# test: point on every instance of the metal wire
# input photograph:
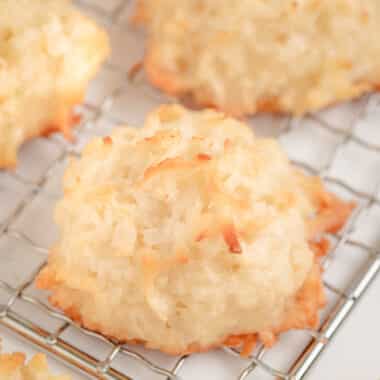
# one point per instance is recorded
(55, 343)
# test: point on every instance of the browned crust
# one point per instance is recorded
(231, 238)
(330, 215)
(303, 314)
(66, 127)
(271, 105)
(139, 16)
(171, 84)
(163, 79)
(65, 120)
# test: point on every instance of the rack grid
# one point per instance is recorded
(338, 144)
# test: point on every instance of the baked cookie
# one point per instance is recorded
(48, 53)
(288, 56)
(190, 233)
(13, 367)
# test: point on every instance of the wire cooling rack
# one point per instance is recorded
(338, 144)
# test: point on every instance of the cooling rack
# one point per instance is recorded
(342, 145)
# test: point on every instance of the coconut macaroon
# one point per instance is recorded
(13, 367)
(48, 53)
(288, 56)
(190, 233)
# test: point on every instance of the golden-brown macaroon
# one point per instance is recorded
(286, 56)
(48, 53)
(190, 233)
(13, 367)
